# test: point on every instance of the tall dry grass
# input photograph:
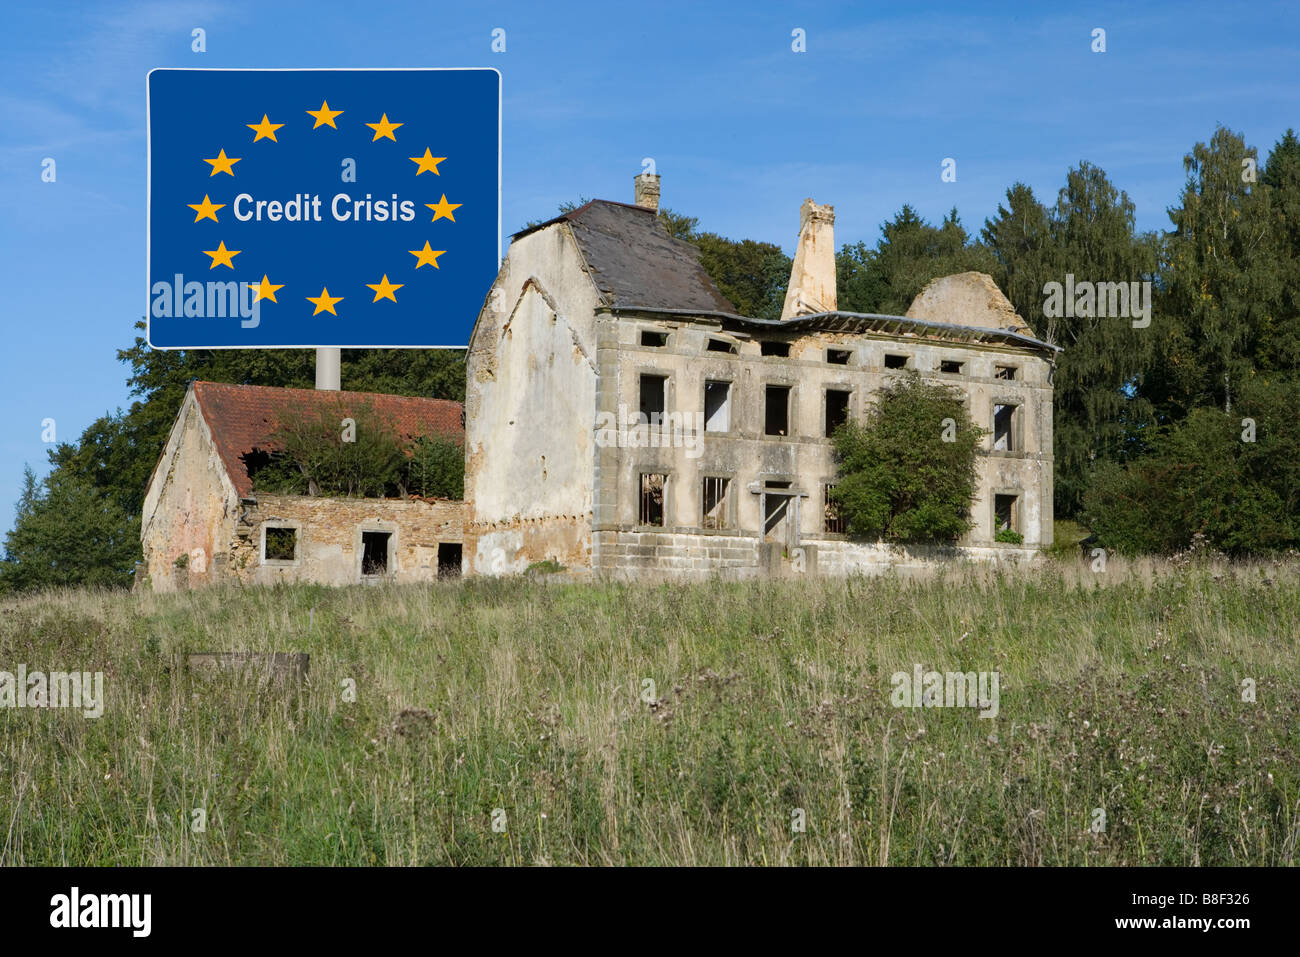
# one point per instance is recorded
(1120, 692)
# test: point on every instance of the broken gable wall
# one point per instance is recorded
(190, 508)
(530, 410)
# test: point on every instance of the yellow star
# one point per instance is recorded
(266, 289)
(426, 256)
(443, 208)
(385, 289)
(264, 129)
(222, 256)
(324, 302)
(384, 128)
(324, 116)
(222, 163)
(428, 162)
(206, 209)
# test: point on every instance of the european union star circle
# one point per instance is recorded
(351, 208)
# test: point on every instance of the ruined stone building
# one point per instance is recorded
(203, 522)
(622, 419)
(599, 318)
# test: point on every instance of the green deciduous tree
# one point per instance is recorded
(751, 274)
(436, 468)
(311, 457)
(68, 533)
(1232, 478)
(908, 473)
(371, 465)
(1089, 233)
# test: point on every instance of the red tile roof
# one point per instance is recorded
(245, 417)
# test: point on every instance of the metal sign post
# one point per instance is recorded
(329, 369)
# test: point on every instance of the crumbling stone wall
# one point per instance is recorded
(967, 299)
(812, 274)
(329, 537)
(805, 457)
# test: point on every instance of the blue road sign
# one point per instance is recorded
(321, 208)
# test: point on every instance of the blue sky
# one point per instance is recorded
(741, 127)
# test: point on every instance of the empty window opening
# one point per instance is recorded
(1004, 372)
(1004, 513)
(832, 520)
(951, 366)
(1003, 428)
(714, 499)
(374, 552)
(895, 361)
(776, 508)
(717, 406)
(775, 348)
(654, 397)
(656, 339)
(837, 409)
(777, 412)
(722, 345)
(652, 499)
(281, 544)
(838, 357)
(449, 559)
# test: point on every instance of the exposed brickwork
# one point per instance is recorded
(329, 537)
(623, 554)
(628, 554)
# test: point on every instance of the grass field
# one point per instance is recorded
(770, 706)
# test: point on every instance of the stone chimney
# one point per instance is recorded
(812, 277)
(647, 191)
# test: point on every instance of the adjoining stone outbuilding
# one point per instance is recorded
(600, 321)
(203, 522)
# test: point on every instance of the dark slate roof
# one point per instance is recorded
(245, 417)
(634, 262)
